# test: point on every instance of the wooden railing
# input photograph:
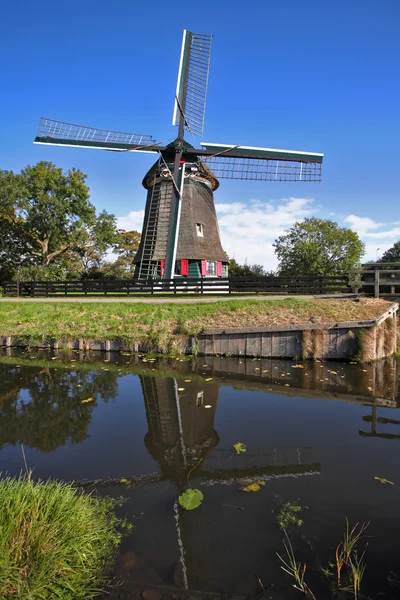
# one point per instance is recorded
(210, 285)
(379, 279)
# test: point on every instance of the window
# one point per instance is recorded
(177, 267)
(211, 268)
(200, 229)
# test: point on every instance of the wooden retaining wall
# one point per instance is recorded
(365, 340)
(368, 340)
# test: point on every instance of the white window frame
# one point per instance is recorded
(214, 269)
(200, 229)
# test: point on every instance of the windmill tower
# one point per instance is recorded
(180, 235)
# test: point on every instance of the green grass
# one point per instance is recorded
(160, 324)
(55, 542)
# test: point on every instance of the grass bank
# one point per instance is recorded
(160, 324)
(55, 541)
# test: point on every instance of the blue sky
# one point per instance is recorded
(310, 75)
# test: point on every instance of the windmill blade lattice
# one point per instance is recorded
(191, 90)
(58, 132)
(263, 164)
(225, 167)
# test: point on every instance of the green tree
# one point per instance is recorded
(393, 254)
(86, 257)
(48, 225)
(54, 207)
(318, 247)
(13, 246)
(126, 246)
(237, 270)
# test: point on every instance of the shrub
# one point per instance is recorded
(55, 541)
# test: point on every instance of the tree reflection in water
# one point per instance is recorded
(42, 407)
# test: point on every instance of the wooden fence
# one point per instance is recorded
(379, 279)
(210, 285)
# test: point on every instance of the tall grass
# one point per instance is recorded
(55, 542)
(295, 569)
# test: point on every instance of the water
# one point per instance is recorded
(316, 433)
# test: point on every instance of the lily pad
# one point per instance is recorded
(191, 499)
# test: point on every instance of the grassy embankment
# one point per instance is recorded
(163, 326)
(55, 542)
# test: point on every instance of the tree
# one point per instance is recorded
(237, 270)
(318, 247)
(393, 254)
(48, 226)
(13, 244)
(86, 257)
(126, 247)
(55, 208)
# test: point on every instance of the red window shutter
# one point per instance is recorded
(162, 267)
(219, 268)
(184, 267)
(203, 268)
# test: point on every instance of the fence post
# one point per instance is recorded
(376, 285)
(393, 287)
(17, 289)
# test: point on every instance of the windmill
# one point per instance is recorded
(180, 235)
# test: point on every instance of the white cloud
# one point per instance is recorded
(361, 224)
(249, 230)
(133, 220)
(376, 242)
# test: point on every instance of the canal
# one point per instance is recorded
(316, 436)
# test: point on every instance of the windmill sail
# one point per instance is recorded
(263, 164)
(191, 89)
(53, 132)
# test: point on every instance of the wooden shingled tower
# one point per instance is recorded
(180, 235)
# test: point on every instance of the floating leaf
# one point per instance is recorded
(123, 480)
(383, 480)
(181, 389)
(191, 499)
(208, 406)
(208, 379)
(254, 487)
(297, 366)
(87, 400)
(187, 380)
(239, 447)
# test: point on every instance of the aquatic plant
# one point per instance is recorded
(191, 499)
(55, 541)
(240, 447)
(295, 569)
(346, 551)
(289, 515)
